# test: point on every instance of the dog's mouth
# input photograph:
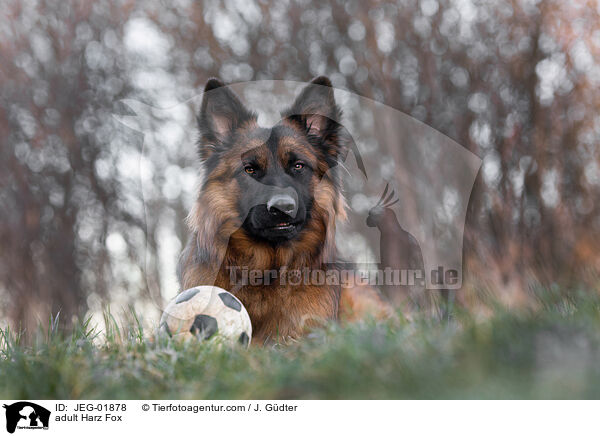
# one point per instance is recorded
(283, 226)
(278, 232)
(285, 229)
(274, 228)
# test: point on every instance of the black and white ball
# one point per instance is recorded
(205, 312)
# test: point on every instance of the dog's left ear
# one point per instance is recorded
(316, 112)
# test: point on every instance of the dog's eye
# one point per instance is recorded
(298, 166)
(250, 169)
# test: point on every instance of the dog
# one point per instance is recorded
(269, 201)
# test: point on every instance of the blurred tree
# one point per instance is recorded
(58, 199)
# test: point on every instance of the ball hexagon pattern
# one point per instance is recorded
(205, 312)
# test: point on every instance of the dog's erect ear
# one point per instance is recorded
(316, 112)
(220, 114)
(315, 107)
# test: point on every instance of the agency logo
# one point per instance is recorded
(26, 415)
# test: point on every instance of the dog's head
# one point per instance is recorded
(271, 182)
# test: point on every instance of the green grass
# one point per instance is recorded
(552, 352)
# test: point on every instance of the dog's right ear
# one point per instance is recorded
(220, 114)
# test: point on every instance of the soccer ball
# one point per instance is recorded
(205, 312)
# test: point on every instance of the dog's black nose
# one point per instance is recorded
(283, 203)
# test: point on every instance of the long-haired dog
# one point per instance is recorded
(269, 201)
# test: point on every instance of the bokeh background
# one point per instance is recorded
(515, 82)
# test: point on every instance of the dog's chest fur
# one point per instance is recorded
(279, 312)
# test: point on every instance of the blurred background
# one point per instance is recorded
(515, 82)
